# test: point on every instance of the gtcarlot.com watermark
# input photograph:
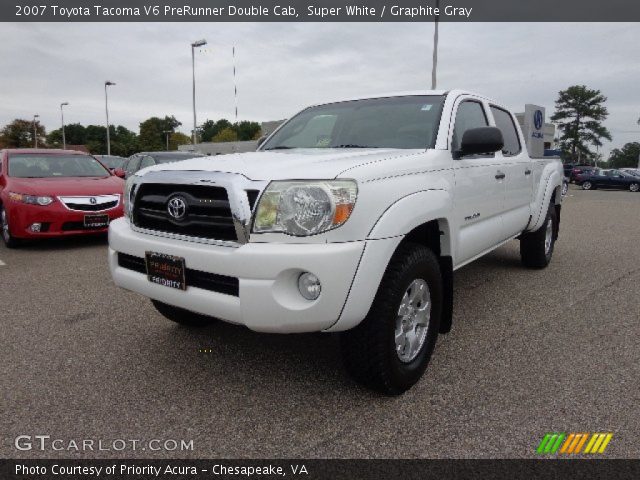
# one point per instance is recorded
(44, 443)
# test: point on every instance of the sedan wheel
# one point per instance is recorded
(587, 186)
(5, 232)
(634, 187)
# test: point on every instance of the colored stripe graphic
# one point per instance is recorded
(572, 443)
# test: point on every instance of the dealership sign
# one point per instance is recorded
(534, 129)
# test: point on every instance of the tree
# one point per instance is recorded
(19, 134)
(226, 135)
(579, 115)
(627, 156)
(152, 132)
(247, 130)
(178, 138)
(74, 133)
(210, 129)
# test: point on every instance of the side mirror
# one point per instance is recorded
(261, 140)
(118, 172)
(480, 140)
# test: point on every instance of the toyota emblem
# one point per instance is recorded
(93, 201)
(177, 208)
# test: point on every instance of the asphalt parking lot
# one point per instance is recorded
(530, 352)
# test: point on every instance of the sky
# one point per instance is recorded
(283, 67)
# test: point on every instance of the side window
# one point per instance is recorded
(146, 162)
(470, 114)
(132, 165)
(504, 121)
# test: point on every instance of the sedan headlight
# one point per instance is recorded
(30, 199)
(129, 192)
(305, 207)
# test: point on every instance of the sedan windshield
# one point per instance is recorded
(173, 158)
(392, 122)
(53, 165)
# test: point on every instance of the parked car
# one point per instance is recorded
(351, 217)
(583, 174)
(142, 160)
(632, 171)
(112, 162)
(579, 170)
(610, 179)
(50, 193)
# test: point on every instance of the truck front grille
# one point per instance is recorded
(198, 210)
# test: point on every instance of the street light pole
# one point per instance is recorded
(166, 134)
(199, 43)
(35, 131)
(64, 140)
(434, 64)
(106, 109)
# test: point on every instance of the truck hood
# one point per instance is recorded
(71, 186)
(299, 163)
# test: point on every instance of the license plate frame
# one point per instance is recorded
(166, 270)
(96, 221)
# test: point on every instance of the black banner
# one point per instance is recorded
(319, 469)
(319, 11)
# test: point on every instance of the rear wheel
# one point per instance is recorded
(634, 187)
(390, 349)
(587, 185)
(9, 240)
(182, 316)
(536, 248)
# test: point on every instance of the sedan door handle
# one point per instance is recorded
(527, 172)
(500, 176)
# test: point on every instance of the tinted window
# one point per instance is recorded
(470, 115)
(146, 162)
(504, 122)
(393, 122)
(132, 165)
(45, 166)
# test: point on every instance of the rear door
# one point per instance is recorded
(518, 169)
(479, 187)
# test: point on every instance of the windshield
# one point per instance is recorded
(112, 161)
(393, 122)
(52, 165)
(173, 158)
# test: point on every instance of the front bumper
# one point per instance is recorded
(57, 220)
(267, 273)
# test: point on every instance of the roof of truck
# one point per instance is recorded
(406, 93)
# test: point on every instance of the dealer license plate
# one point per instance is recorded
(166, 270)
(96, 221)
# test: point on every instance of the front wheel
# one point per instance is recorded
(587, 185)
(5, 231)
(390, 349)
(182, 316)
(634, 187)
(536, 248)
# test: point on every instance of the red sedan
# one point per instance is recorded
(52, 193)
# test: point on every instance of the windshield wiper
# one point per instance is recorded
(353, 145)
(280, 147)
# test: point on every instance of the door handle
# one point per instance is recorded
(500, 175)
(527, 172)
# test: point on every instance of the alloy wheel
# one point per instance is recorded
(412, 320)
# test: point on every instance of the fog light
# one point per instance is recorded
(35, 227)
(309, 286)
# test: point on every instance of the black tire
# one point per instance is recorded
(182, 316)
(587, 185)
(369, 350)
(9, 240)
(634, 187)
(534, 252)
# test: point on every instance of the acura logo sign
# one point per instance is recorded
(177, 208)
(93, 201)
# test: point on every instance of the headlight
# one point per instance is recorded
(129, 192)
(30, 199)
(305, 207)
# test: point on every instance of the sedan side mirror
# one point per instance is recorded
(261, 140)
(118, 172)
(480, 140)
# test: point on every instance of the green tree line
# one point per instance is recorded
(152, 135)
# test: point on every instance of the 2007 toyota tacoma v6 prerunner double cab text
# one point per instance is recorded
(351, 217)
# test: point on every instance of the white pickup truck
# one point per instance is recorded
(351, 217)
